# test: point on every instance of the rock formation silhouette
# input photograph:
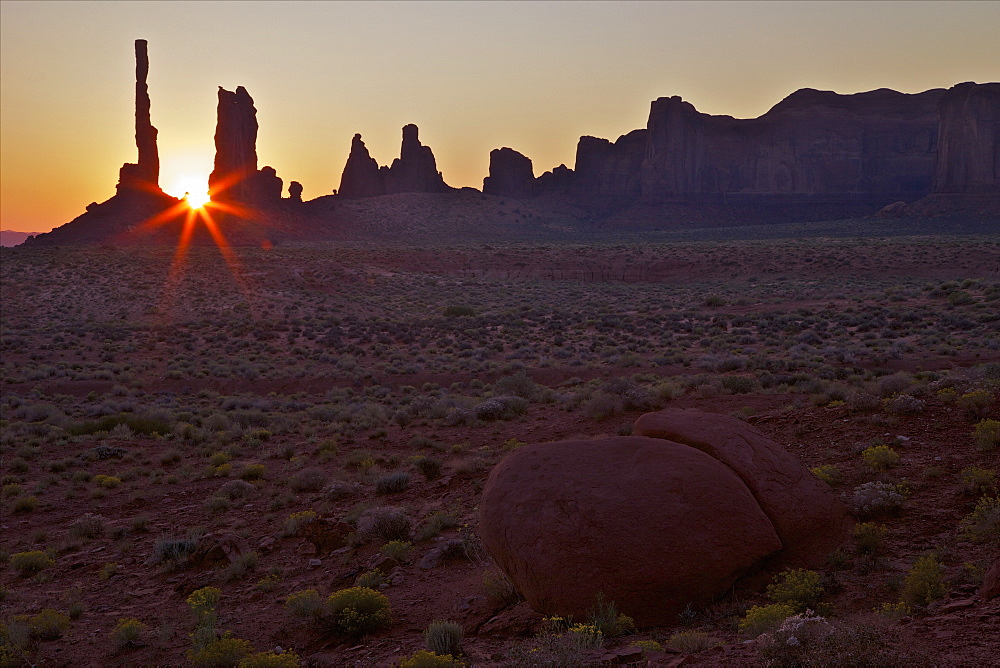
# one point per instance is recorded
(138, 197)
(235, 178)
(143, 175)
(361, 176)
(414, 171)
(511, 174)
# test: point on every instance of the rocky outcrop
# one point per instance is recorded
(414, 171)
(511, 174)
(235, 147)
(235, 178)
(559, 180)
(969, 140)
(651, 524)
(361, 176)
(295, 192)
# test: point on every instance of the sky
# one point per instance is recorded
(474, 76)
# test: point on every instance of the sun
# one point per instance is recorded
(192, 189)
(196, 200)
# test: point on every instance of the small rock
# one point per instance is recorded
(958, 605)
(315, 563)
(266, 543)
(305, 547)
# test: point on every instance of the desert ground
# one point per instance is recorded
(176, 425)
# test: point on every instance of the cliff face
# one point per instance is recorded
(603, 168)
(881, 145)
(969, 140)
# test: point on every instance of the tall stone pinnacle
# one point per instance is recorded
(235, 147)
(145, 134)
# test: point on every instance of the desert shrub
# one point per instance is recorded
(295, 521)
(454, 311)
(224, 652)
(987, 434)
(876, 498)
(220, 458)
(340, 489)
(976, 404)
(798, 588)
(889, 385)
(127, 633)
(87, 525)
(30, 563)
(305, 604)
(175, 550)
(356, 611)
(398, 550)
(147, 426)
(202, 603)
(518, 385)
(893, 611)
(393, 483)
(739, 384)
(604, 616)
(444, 637)
(308, 480)
(242, 565)
(103, 452)
(372, 579)
(761, 619)
(107, 481)
(602, 406)
(270, 660)
(428, 466)
(253, 472)
(426, 659)
(12, 489)
(24, 504)
(905, 404)
(501, 408)
(236, 489)
(436, 523)
(828, 473)
(499, 588)
(982, 524)
(691, 642)
(384, 523)
(977, 481)
(880, 457)
(870, 538)
(47, 624)
(925, 581)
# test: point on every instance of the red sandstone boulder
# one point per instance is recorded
(807, 516)
(652, 524)
(991, 581)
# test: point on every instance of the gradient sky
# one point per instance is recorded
(474, 76)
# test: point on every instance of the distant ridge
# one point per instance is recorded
(814, 156)
(11, 238)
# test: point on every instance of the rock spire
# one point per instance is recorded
(144, 174)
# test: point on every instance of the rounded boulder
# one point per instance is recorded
(651, 524)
